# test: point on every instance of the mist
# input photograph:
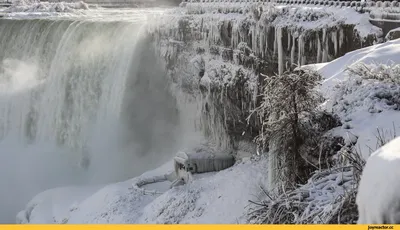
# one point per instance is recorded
(78, 112)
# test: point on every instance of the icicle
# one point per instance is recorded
(261, 42)
(334, 41)
(254, 39)
(275, 41)
(301, 50)
(293, 50)
(318, 49)
(280, 50)
(266, 40)
(235, 35)
(341, 38)
(288, 40)
(325, 46)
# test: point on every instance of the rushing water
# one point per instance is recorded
(81, 101)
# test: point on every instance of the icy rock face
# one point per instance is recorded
(378, 199)
(274, 35)
(221, 59)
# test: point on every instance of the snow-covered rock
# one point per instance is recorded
(378, 196)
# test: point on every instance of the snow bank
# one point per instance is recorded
(384, 53)
(378, 196)
(360, 102)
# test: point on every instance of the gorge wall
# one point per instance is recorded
(219, 54)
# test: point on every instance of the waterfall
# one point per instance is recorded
(80, 102)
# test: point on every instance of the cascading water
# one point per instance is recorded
(80, 102)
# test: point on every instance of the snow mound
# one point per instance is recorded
(37, 6)
(378, 198)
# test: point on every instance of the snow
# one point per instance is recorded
(52, 206)
(384, 53)
(378, 197)
(315, 202)
(363, 103)
(357, 100)
(57, 205)
(38, 6)
(209, 198)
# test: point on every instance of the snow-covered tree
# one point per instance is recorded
(288, 105)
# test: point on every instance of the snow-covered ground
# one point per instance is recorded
(360, 102)
(219, 197)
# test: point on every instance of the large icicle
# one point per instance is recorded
(341, 38)
(275, 41)
(280, 50)
(301, 50)
(254, 39)
(334, 41)
(325, 46)
(235, 35)
(261, 40)
(266, 40)
(293, 49)
(288, 40)
(318, 49)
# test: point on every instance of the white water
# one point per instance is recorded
(81, 102)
